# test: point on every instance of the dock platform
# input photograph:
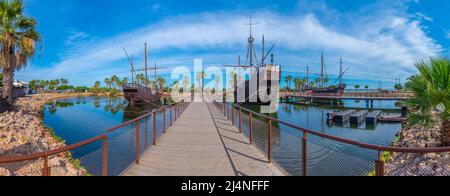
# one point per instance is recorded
(372, 117)
(358, 117)
(344, 116)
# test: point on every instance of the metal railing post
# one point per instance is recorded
(379, 165)
(154, 128)
(170, 108)
(232, 114)
(164, 120)
(305, 153)
(46, 169)
(251, 128)
(138, 141)
(269, 150)
(175, 111)
(240, 120)
(224, 109)
(105, 156)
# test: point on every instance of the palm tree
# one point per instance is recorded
(357, 86)
(114, 80)
(108, 82)
(97, 84)
(288, 81)
(18, 41)
(186, 82)
(64, 81)
(312, 84)
(161, 83)
(125, 81)
(201, 79)
(217, 81)
(431, 88)
(298, 84)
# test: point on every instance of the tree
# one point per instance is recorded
(366, 87)
(35, 85)
(19, 41)
(114, 80)
(161, 83)
(398, 87)
(108, 82)
(186, 83)
(124, 81)
(312, 84)
(298, 84)
(97, 84)
(1, 80)
(357, 87)
(201, 79)
(431, 88)
(217, 80)
(288, 81)
(64, 81)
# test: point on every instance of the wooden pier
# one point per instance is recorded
(202, 142)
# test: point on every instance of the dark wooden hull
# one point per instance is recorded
(136, 94)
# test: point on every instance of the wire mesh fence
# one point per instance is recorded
(325, 155)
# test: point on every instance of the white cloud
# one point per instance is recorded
(382, 46)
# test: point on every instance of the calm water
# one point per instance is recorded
(78, 119)
(325, 157)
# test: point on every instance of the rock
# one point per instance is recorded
(22, 131)
(4, 172)
(432, 144)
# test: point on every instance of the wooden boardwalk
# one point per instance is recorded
(203, 143)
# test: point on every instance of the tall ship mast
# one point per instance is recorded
(323, 83)
(136, 93)
(252, 62)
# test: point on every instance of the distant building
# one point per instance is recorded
(21, 88)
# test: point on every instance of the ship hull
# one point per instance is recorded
(136, 94)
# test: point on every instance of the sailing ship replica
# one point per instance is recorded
(136, 93)
(322, 85)
(256, 68)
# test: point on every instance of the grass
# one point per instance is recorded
(386, 156)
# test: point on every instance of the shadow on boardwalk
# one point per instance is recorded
(203, 143)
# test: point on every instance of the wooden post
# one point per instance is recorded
(105, 156)
(269, 150)
(138, 141)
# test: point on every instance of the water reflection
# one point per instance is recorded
(79, 119)
(325, 157)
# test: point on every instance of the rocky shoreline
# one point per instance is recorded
(407, 164)
(22, 132)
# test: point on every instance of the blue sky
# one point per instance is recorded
(378, 39)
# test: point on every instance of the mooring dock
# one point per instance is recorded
(203, 143)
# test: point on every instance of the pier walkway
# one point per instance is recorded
(202, 142)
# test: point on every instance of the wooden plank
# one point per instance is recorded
(198, 146)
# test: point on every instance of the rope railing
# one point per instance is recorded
(228, 110)
(175, 110)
